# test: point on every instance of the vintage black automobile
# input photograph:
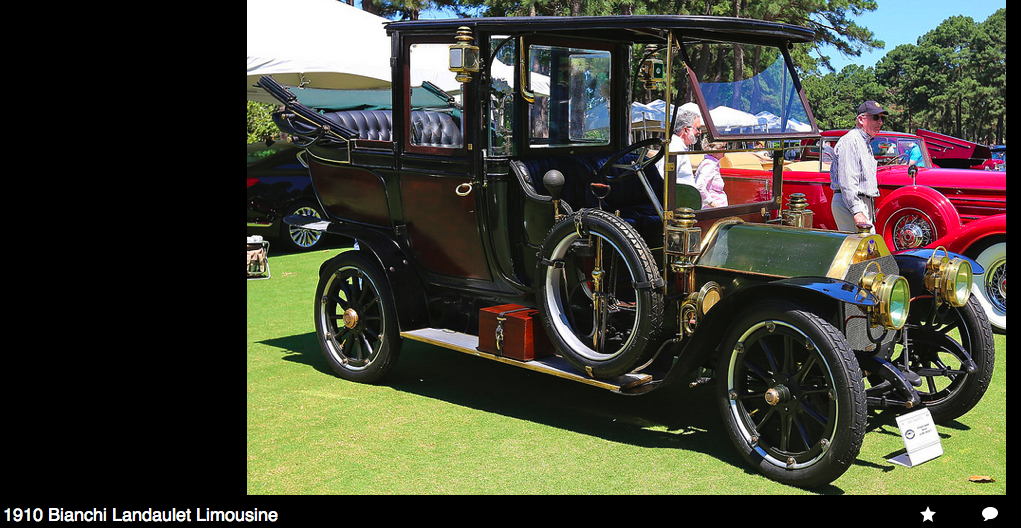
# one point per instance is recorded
(526, 186)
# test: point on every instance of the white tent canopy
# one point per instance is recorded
(326, 43)
(724, 117)
(793, 125)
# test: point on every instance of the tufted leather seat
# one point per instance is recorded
(370, 124)
(434, 129)
(430, 129)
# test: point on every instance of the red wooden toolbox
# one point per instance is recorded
(513, 331)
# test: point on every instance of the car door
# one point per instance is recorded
(438, 190)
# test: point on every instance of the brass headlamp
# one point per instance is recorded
(948, 279)
(464, 56)
(894, 296)
(694, 308)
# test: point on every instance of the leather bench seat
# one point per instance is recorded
(375, 125)
(430, 129)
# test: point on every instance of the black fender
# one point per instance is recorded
(821, 294)
(412, 306)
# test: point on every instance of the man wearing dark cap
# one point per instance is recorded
(853, 171)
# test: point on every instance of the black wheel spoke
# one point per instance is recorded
(803, 433)
(770, 357)
(785, 432)
(349, 291)
(811, 412)
(337, 300)
(802, 373)
(788, 355)
(372, 305)
(365, 294)
(758, 371)
(765, 418)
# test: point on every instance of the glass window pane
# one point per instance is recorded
(501, 97)
(572, 97)
(435, 120)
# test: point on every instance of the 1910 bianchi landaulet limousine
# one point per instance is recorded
(507, 204)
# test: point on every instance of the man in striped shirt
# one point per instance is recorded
(853, 171)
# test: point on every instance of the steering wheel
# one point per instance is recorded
(901, 159)
(630, 169)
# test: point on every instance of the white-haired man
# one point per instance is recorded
(686, 131)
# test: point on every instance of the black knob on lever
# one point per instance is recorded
(553, 180)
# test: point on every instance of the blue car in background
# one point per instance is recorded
(279, 186)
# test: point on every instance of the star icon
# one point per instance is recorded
(927, 515)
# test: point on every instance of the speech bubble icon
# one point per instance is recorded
(989, 513)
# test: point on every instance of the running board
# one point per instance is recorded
(554, 365)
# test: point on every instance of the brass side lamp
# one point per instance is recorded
(464, 56)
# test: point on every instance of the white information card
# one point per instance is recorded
(920, 438)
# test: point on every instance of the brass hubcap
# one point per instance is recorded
(778, 394)
(350, 318)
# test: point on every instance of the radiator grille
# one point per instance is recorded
(856, 328)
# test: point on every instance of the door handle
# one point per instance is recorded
(464, 189)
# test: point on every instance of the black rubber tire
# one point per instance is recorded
(366, 346)
(814, 434)
(633, 295)
(949, 396)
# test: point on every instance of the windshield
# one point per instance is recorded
(749, 91)
(890, 150)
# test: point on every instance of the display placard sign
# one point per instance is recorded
(920, 438)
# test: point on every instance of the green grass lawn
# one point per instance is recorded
(450, 423)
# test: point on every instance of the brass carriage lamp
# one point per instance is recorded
(893, 294)
(653, 70)
(464, 56)
(797, 213)
(683, 240)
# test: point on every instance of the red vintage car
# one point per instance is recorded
(963, 210)
(956, 153)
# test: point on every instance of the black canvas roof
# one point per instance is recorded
(645, 28)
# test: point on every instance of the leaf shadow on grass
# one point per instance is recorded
(672, 417)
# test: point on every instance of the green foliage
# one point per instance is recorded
(260, 122)
(835, 97)
(954, 80)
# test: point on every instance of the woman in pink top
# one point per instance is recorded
(708, 180)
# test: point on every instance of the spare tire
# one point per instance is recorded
(599, 294)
